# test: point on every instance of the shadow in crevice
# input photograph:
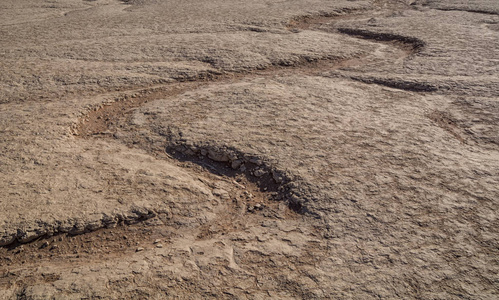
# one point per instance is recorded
(228, 161)
(397, 83)
(412, 43)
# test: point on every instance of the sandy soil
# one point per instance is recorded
(226, 149)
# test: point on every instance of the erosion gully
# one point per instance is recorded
(100, 122)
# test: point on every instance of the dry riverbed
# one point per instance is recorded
(226, 149)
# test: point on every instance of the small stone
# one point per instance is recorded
(232, 156)
(218, 156)
(156, 241)
(256, 161)
(239, 185)
(139, 249)
(236, 164)
(189, 152)
(223, 194)
(44, 245)
(159, 246)
(277, 178)
(259, 172)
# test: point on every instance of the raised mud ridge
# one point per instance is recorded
(256, 169)
(278, 184)
(75, 227)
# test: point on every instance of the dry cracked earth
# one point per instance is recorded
(297, 149)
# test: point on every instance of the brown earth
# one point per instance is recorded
(225, 149)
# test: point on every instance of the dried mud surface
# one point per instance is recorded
(225, 149)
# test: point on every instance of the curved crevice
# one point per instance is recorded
(397, 83)
(414, 43)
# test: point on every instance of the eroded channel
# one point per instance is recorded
(258, 188)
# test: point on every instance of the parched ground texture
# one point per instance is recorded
(249, 149)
